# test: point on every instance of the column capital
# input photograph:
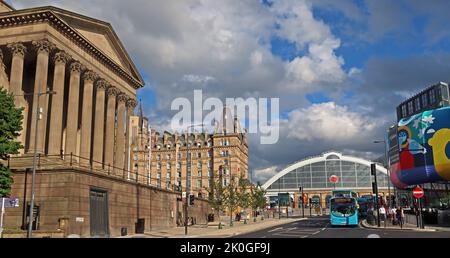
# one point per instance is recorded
(102, 84)
(112, 91)
(43, 45)
(131, 103)
(76, 66)
(17, 49)
(90, 76)
(62, 57)
(122, 97)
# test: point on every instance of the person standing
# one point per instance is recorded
(383, 214)
(400, 215)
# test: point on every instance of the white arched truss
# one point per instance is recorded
(321, 158)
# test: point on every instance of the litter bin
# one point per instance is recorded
(123, 231)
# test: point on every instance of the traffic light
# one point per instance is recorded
(191, 200)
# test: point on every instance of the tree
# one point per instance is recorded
(10, 127)
(257, 199)
(216, 197)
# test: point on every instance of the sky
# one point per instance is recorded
(339, 68)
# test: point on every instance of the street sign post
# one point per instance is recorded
(418, 193)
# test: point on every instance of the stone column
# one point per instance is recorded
(131, 104)
(86, 117)
(56, 116)
(99, 126)
(18, 51)
(43, 48)
(72, 109)
(120, 138)
(110, 126)
(4, 81)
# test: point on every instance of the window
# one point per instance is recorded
(209, 144)
(209, 154)
(168, 146)
(179, 156)
(168, 166)
(199, 165)
(404, 112)
(410, 108)
(168, 156)
(158, 147)
(417, 104)
(199, 183)
(199, 155)
(225, 162)
(424, 100)
(158, 166)
(432, 97)
(158, 157)
(178, 165)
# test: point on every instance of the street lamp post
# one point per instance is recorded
(33, 177)
(388, 170)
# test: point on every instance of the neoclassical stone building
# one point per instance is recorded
(74, 78)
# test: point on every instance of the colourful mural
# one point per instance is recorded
(424, 149)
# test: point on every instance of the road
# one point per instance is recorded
(319, 227)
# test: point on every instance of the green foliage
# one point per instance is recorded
(6, 181)
(10, 127)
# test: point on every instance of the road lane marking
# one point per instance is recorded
(373, 236)
(275, 229)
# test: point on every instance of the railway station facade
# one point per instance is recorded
(313, 174)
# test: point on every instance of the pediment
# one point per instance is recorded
(101, 35)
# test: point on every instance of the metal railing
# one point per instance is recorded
(71, 161)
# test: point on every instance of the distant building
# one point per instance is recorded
(433, 97)
(225, 151)
(313, 175)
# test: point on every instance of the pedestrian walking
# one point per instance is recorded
(400, 216)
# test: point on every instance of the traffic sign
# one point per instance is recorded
(10, 202)
(334, 179)
(183, 195)
(418, 192)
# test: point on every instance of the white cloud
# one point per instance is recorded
(264, 174)
(329, 123)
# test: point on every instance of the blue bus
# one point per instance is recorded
(343, 211)
(344, 193)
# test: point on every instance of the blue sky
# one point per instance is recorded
(338, 67)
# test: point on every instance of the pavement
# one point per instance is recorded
(204, 231)
(406, 226)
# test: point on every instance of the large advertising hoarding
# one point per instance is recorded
(423, 149)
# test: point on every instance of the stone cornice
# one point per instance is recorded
(47, 16)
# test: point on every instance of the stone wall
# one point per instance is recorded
(63, 196)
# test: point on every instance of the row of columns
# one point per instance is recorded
(106, 137)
